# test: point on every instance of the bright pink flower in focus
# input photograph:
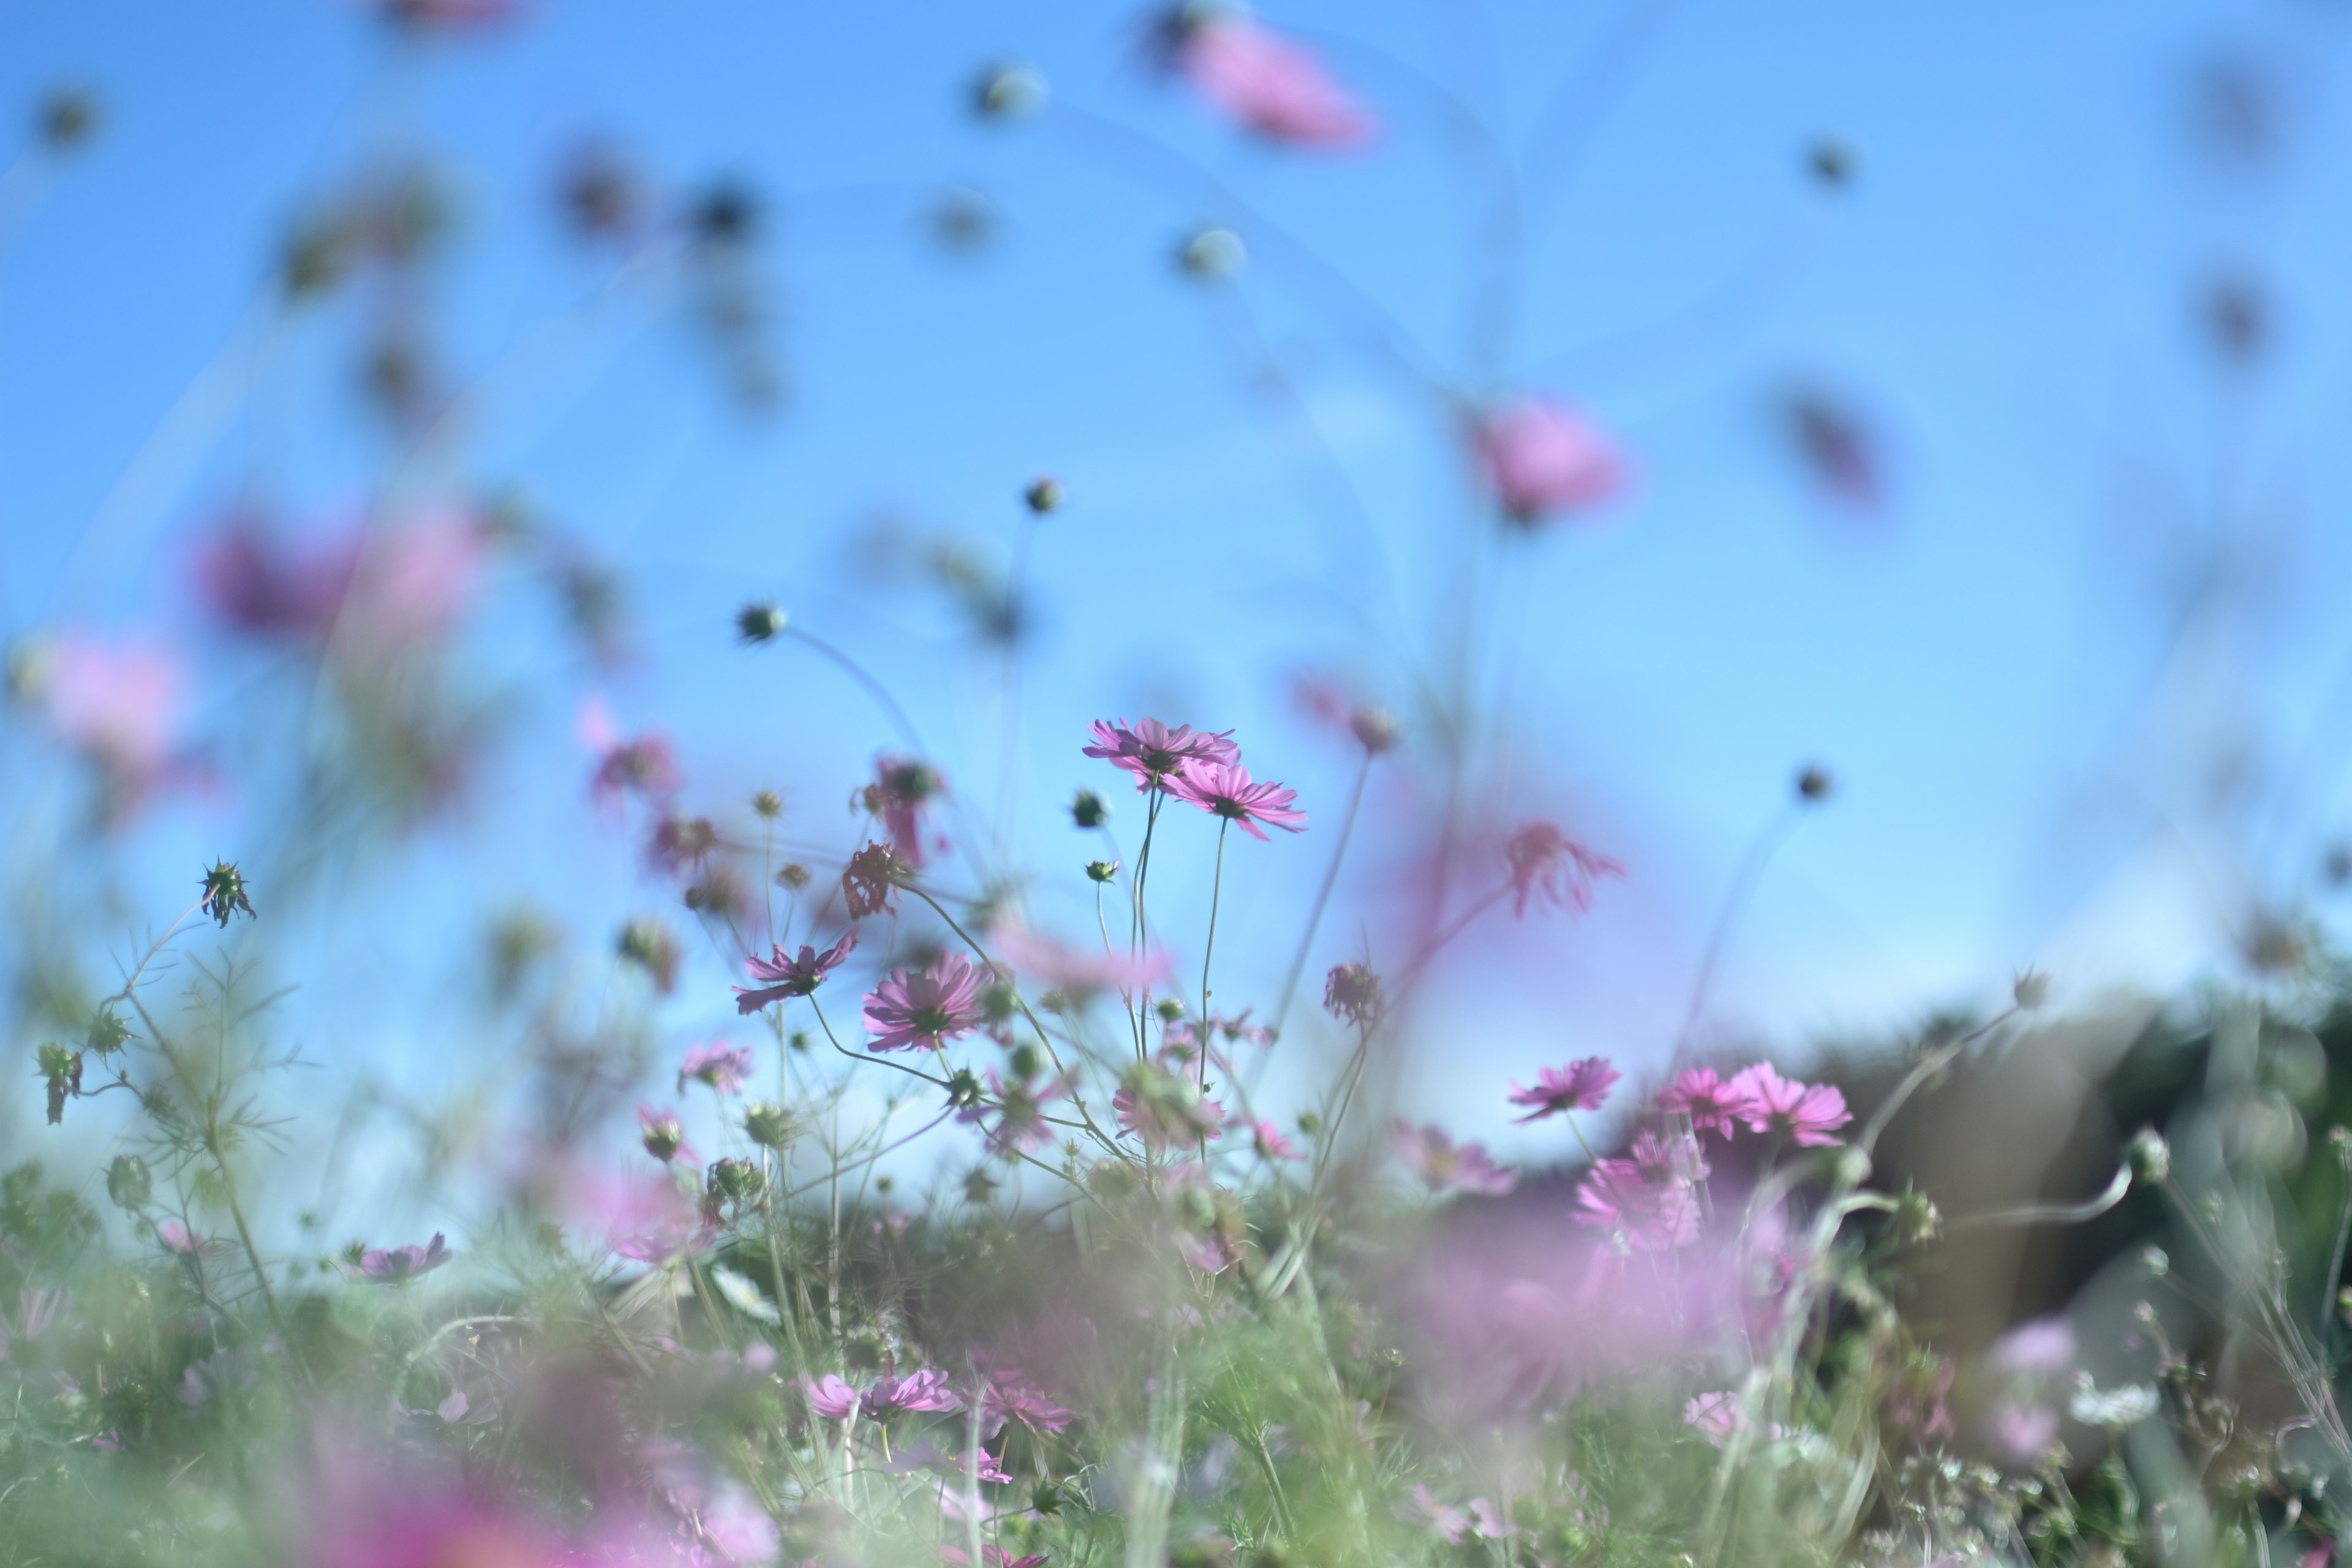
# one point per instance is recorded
(1580, 1086)
(792, 976)
(1435, 1158)
(722, 1066)
(1546, 860)
(1544, 458)
(1712, 1105)
(1809, 1113)
(926, 1009)
(392, 1265)
(1223, 789)
(1270, 84)
(1157, 755)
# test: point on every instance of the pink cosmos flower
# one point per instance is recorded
(175, 1237)
(792, 976)
(119, 704)
(2023, 1433)
(260, 585)
(1157, 755)
(665, 1136)
(926, 1009)
(1164, 1109)
(1351, 992)
(1223, 789)
(646, 766)
(1010, 1393)
(1435, 1158)
(869, 883)
(1018, 1118)
(1650, 1201)
(1271, 1143)
(1270, 84)
(831, 1398)
(1546, 860)
(924, 1392)
(1075, 969)
(722, 1066)
(1580, 1086)
(1716, 1417)
(390, 1266)
(1809, 1113)
(1543, 458)
(900, 793)
(1712, 1105)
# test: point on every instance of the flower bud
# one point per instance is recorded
(771, 805)
(734, 1180)
(1009, 93)
(1025, 1061)
(761, 623)
(1087, 809)
(1213, 255)
(1917, 1219)
(2031, 991)
(1849, 1168)
(663, 1135)
(978, 1187)
(768, 1124)
(1376, 729)
(963, 1089)
(1168, 1008)
(1043, 494)
(127, 1183)
(2150, 1155)
(1831, 162)
(795, 876)
(799, 1040)
(999, 1001)
(2153, 1262)
(1309, 1123)
(1816, 786)
(70, 117)
(1103, 870)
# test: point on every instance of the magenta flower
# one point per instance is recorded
(176, 1237)
(1223, 789)
(1011, 1394)
(1809, 1113)
(900, 791)
(1074, 969)
(269, 587)
(889, 1395)
(831, 1398)
(869, 883)
(665, 1136)
(1546, 860)
(1438, 1162)
(2045, 1347)
(1271, 1143)
(1161, 1108)
(392, 1265)
(1157, 755)
(1270, 84)
(924, 1009)
(1542, 458)
(792, 976)
(1712, 1105)
(646, 766)
(1648, 1202)
(1714, 1417)
(1580, 1086)
(118, 703)
(1019, 1113)
(1351, 992)
(722, 1066)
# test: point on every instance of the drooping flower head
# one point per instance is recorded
(898, 796)
(831, 1398)
(1578, 1085)
(1446, 1167)
(1712, 1105)
(646, 766)
(869, 883)
(1543, 458)
(792, 976)
(1266, 83)
(1270, 1142)
(1223, 789)
(1546, 860)
(664, 1136)
(1352, 992)
(392, 1265)
(924, 1392)
(722, 1066)
(1809, 1113)
(1163, 1108)
(1157, 755)
(927, 1008)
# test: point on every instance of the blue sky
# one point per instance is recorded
(2068, 680)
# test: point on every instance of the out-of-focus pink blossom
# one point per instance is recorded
(280, 587)
(1016, 1120)
(1649, 1201)
(116, 702)
(1157, 755)
(450, 16)
(2045, 1347)
(831, 1398)
(1578, 1085)
(2022, 1431)
(924, 1392)
(1010, 1393)
(1716, 1417)
(900, 791)
(1712, 1105)
(1162, 1108)
(1224, 789)
(1075, 969)
(792, 976)
(722, 1066)
(1270, 84)
(1809, 1113)
(392, 1265)
(665, 1136)
(176, 1237)
(380, 591)
(1271, 1143)
(869, 883)
(1546, 860)
(1543, 458)
(642, 1216)
(646, 766)
(1438, 1162)
(927, 1008)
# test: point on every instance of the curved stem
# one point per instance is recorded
(1323, 895)
(2053, 1214)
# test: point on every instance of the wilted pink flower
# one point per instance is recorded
(1223, 789)
(792, 976)
(1580, 1086)
(1018, 1118)
(1435, 1158)
(1712, 1105)
(831, 1398)
(392, 1265)
(646, 766)
(1075, 969)
(1716, 1417)
(1809, 1113)
(890, 1394)
(1543, 458)
(1270, 84)
(722, 1066)
(1546, 860)
(1271, 1143)
(924, 1009)
(869, 883)
(1352, 992)
(900, 791)
(1157, 755)
(1163, 1108)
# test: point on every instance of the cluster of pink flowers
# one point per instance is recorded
(1201, 769)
